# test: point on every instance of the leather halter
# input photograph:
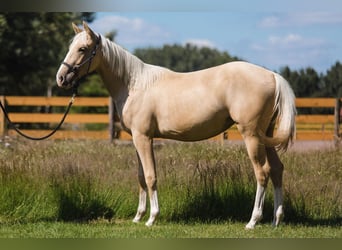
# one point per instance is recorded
(75, 68)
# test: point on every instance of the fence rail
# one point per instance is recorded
(309, 126)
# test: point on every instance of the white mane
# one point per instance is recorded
(135, 73)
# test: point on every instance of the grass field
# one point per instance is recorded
(89, 189)
(127, 229)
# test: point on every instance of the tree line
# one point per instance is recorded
(34, 44)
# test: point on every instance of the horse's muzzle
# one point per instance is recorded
(65, 81)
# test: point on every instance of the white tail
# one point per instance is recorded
(285, 109)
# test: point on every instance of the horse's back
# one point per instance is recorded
(200, 104)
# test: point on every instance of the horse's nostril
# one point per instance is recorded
(61, 80)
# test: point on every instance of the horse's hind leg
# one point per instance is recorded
(277, 179)
(257, 154)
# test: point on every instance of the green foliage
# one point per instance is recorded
(308, 83)
(92, 86)
(33, 45)
(333, 81)
(303, 82)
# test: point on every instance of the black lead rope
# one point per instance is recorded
(52, 132)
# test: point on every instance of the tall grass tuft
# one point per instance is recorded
(313, 186)
(78, 199)
(87, 180)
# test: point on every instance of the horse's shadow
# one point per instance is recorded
(213, 206)
(237, 205)
(207, 205)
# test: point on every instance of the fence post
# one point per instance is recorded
(2, 118)
(337, 121)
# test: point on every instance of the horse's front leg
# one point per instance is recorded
(142, 193)
(143, 145)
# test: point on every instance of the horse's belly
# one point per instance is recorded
(189, 130)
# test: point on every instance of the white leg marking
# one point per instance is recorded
(258, 206)
(141, 207)
(154, 208)
(278, 206)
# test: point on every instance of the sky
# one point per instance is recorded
(273, 37)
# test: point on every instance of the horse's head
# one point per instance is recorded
(81, 57)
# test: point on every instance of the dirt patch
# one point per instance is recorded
(302, 146)
(298, 146)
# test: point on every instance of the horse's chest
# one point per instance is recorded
(137, 115)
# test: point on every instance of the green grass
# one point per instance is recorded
(127, 229)
(89, 189)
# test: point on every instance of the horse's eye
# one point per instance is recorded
(82, 49)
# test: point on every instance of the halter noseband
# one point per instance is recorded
(74, 69)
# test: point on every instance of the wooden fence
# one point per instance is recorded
(309, 127)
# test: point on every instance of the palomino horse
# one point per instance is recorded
(153, 101)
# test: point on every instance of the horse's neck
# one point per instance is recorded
(118, 78)
(122, 72)
(115, 86)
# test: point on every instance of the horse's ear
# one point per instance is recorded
(76, 28)
(88, 30)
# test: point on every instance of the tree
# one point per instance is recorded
(33, 45)
(332, 81)
(305, 82)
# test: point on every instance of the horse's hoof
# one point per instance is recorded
(136, 220)
(249, 226)
(149, 223)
